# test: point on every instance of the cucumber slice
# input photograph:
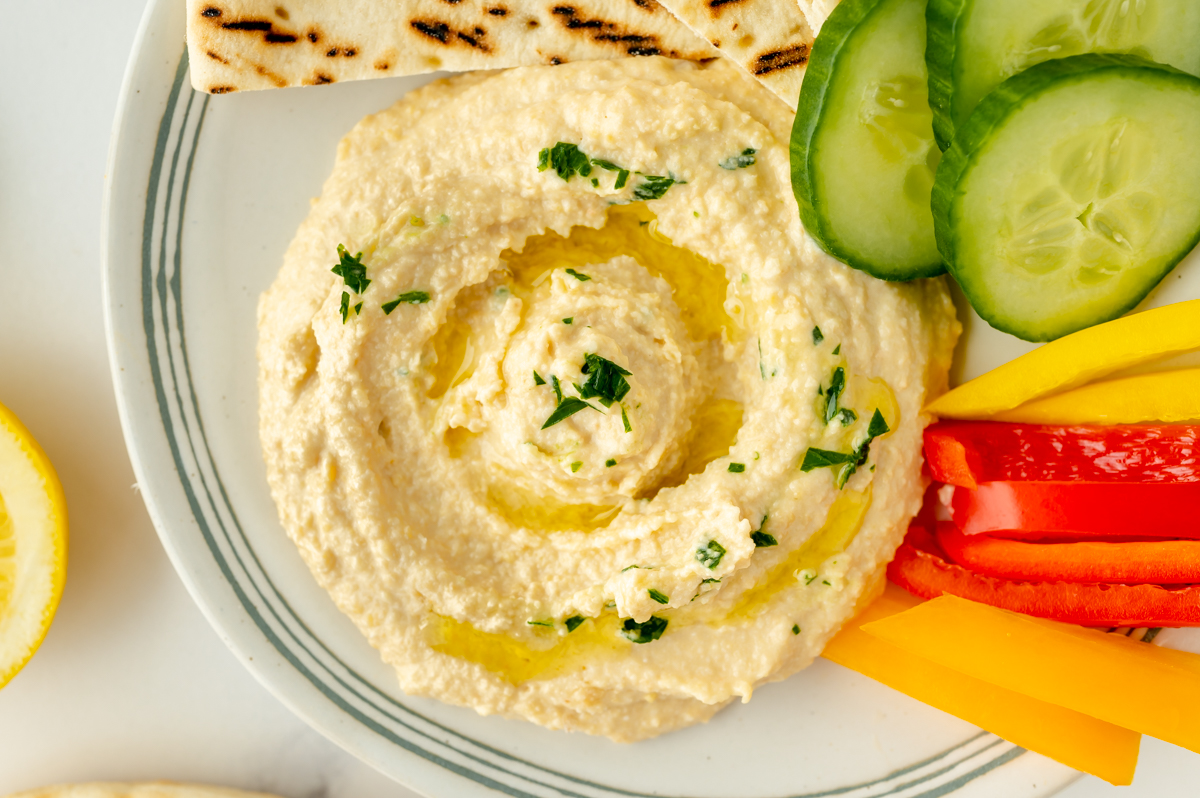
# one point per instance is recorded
(976, 44)
(863, 155)
(1071, 191)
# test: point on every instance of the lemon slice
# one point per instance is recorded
(33, 544)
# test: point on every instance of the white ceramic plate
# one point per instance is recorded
(204, 195)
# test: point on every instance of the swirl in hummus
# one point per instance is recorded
(592, 433)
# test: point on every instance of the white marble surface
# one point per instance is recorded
(131, 682)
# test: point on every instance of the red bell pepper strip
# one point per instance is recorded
(1088, 510)
(969, 453)
(1161, 562)
(921, 568)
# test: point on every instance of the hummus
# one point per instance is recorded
(591, 433)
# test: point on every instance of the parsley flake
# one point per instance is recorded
(576, 466)
(606, 380)
(654, 187)
(351, 269)
(846, 464)
(625, 420)
(833, 393)
(541, 623)
(762, 539)
(646, 632)
(554, 383)
(709, 555)
(573, 622)
(622, 173)
(610, 462)
(657, 596)
(537, 379)
(837, 350)
(344, 307)
(565, 159)
(569, 320)
(737, 468)
(580, 277)
(795, 628)
(818, 336)
(567, 408)
(407, 298)
(746, 158)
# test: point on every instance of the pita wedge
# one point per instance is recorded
(158, 789)
(770, 39)
(238, 45)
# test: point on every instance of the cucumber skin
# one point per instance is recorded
(942, 18)
(836, 32)
(991, 113)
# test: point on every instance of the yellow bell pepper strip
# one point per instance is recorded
(1165, 396)
(1084, 743)
(1076, 359)
(1135, 685)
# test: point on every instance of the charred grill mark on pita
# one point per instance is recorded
(216, 57)
(210, 12)
(715, 7)
(434, 30)
(314, 36)
(320, 78)
(264, 26)
(603, 31)
(221, 89)
(555, 60)
(443, 33)
(275, 78)
(498, 11)
(382, 66)
(780, 59)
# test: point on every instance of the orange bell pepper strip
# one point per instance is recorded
(1075, 360)
(1073, 738)
(1159, 562)
(921, 568)
(1146, 688)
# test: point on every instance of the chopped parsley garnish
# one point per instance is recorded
(554, 383)
(610, 462)
(795, 628)
(573, 622)
(565, 159)
(569, 320)
(637, 567)
(352, 271)
(595, 183)
(653, 187)
(833, 393)
(407, 298)
(568, 407)
(808, 580)
(837, 350)
(576, 466)
(344, 307)
(657, 596)
(709, 555)
(541, 623)
(762, 539)
(646, 632)
(709, 581)
(622, 173)
(737, 468)
(746, 158)
(625, 420)
(580, 277)
(845, 464)
(606, 380)
(818, 336)
(537, 379)
(357, 310)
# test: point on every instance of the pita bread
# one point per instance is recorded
(770, 39)
(157, 789)
(238, 45)
(816, 12)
